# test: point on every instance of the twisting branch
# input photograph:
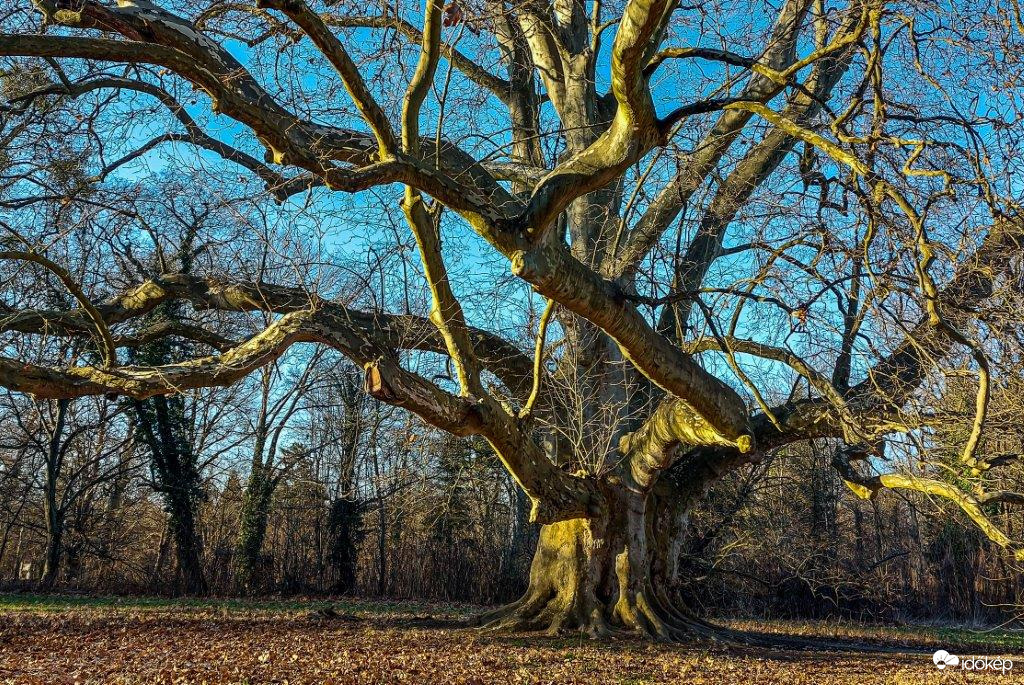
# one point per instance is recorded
(445, 312)
(653, 448)
(161, 38)
(556, 275)
(278, 185)
(106, 342)
(406, 332)
(538, 359)
(634, 129)
(335, 52)
(178, 329)
(367, 339)
(867, 487)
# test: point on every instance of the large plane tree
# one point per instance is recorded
(746, 224)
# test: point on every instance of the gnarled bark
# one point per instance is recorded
(609, 574)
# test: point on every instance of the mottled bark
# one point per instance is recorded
(608, 574)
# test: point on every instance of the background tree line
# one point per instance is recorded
(299, 484)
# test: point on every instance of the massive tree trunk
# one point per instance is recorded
(618, 572)
(614, 572)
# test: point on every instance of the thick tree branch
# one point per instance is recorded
(558, 276)
(867, 486)
(446, 311)
(633, 131)
(673, 426)
(174, 43)
(408, 332)
(364, 338)
(278, 185)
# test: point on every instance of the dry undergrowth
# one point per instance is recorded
(169, 644)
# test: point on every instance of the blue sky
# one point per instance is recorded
(356, 225)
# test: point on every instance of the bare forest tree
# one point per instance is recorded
(728, 228)
(266, 469)
(81, 449)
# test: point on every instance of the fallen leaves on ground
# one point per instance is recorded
(189, 645)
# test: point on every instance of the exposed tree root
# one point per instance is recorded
(648, 615)
(609, 577)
